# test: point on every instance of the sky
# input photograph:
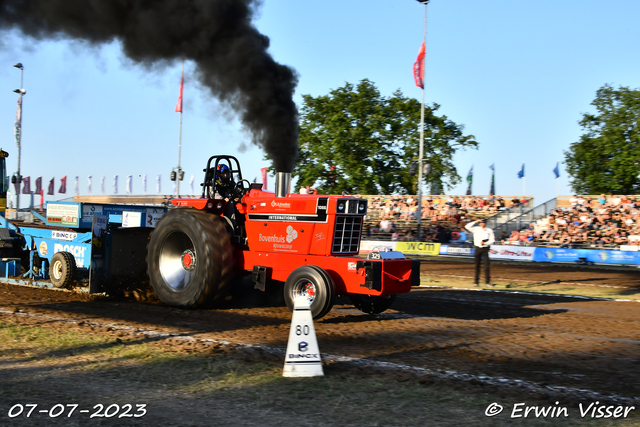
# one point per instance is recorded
(517, 74)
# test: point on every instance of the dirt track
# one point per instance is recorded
(555, 345)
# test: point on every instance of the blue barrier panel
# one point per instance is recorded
(613, 257)
(593, 255)
(558, 255)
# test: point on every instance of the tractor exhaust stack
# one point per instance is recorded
(283, 184)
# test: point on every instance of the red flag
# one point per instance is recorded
(38, 185)
(179, 105)
(51, 187)
(418, 68)
(42, 200)
(264, 178)
(26, 186)
(63, 185)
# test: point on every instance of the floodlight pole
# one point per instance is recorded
(19, 135)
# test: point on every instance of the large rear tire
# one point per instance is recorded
(372, 304)
(190, 258)
(314, 283)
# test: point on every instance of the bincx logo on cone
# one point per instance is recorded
(303, 355)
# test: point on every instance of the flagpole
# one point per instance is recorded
(180, 138)
(420, 156)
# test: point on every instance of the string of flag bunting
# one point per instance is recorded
(38, 189)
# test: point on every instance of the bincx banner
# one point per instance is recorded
(63, 235)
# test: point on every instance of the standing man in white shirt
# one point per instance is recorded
(483, 238)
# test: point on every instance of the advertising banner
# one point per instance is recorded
(367, 246)
(456, 250)
(132, 219)
(148, 216)
(64, 214)
(559, 255)
(593, 255)
(63, 235)
(613, 257)
(80, 251)
(418, 248)
(514, 253)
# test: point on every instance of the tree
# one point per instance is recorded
(358, 141)
(606, 159)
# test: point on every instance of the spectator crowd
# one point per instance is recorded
(443, 217)
(603, 221)
(588, 221)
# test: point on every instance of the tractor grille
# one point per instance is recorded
(347, 233)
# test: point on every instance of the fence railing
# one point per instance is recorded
(508, 214)
(518, 222)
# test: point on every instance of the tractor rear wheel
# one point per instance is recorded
(62, 269)
(372, 304)
(190, 258)
(314, 283)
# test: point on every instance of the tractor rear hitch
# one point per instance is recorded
(373, 273)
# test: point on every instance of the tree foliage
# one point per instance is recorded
(357, 141)
(606, 159)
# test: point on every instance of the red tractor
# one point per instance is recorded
(309, 242)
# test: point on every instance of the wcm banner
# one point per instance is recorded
(418, 248)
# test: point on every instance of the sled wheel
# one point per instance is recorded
(372, 304)
(62, 269)
(190, 258)
(314, 283)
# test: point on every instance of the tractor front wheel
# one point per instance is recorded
(190, 258)
(314, 283)
(372, 304)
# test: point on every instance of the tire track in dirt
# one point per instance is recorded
(448, 375)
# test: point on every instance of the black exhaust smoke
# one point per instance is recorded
(230, 54)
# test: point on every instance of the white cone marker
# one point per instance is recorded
(303, 355)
